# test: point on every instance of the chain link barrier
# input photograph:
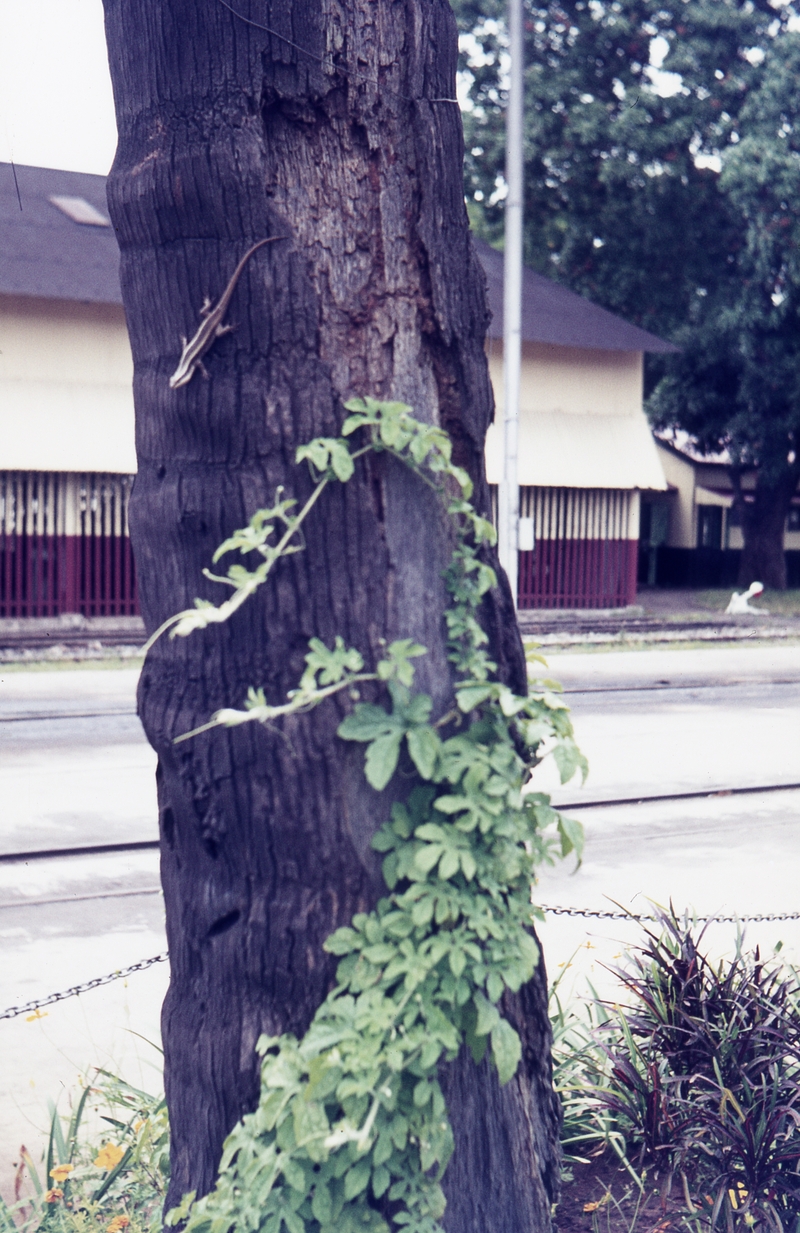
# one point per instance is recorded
(31, 1008)
(597, 914)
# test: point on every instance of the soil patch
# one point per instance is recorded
(603, 1198)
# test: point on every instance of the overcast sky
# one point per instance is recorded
(56, 108)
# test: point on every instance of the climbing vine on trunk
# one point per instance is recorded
(351, 1129)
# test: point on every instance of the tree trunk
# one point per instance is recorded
(763, 525)
(331, 130)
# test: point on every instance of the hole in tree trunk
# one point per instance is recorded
(224, 923)
(168, 826)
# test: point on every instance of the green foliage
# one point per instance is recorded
(619, 204)
(674, 209)
(116, 1179)
(351, 1126)
(702, 1071)
(736, 384)
(588, 1125)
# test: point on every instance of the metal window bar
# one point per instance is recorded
(64, 545)
(583, 556)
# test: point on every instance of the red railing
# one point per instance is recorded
(64, 545)
(585, 553)
(48, 575)
(575, 573)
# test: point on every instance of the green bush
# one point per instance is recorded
(113, 1179)
(701, 1072)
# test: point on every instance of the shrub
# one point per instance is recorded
(701, 1071)
(113, 1179)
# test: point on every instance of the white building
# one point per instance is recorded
(66, 405)
(67, 453)
(586, 453)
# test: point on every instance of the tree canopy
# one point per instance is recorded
(662, 163)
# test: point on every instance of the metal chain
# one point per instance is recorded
(30, 1008)
(729, 920)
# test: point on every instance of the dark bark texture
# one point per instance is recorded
(324, 130)
(763, 524)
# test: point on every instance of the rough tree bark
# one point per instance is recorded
(324, 130)
(763, 523)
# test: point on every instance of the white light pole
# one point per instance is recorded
(508, 503)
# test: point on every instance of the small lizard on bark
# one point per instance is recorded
(211, 326)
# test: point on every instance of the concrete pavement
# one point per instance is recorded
(75, 769)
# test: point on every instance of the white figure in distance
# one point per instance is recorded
(741, 603)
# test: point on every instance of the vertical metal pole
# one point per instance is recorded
(508, 504)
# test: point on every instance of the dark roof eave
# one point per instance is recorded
(46, 297)
(554, 315)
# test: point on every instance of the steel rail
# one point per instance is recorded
(29, 716)
(705, 794)
(655, 687)
(94, 849)
(144, 845)
(108, 894)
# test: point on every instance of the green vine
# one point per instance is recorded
(353, 1113)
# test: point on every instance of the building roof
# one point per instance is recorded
(681, 443)
(44, 252)
(554, 314)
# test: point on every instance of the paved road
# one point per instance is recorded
(658, 722)
(75, 769)
(83, 777)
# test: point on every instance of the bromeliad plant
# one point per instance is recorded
(701, 1073)
(351, 1125)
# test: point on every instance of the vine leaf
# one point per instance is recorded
(569, 759)
(506, 1050)
(424, 746)
(381, 760)
(328, 454)
(383, 733)
(488, 1015)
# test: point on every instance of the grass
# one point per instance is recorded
(106, 1165)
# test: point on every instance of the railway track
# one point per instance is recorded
(144, 845)
(571, 690)
(46, 632)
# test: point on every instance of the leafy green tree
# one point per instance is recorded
(737, 384)
(651, 203)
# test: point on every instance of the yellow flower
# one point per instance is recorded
(53, 1195)
(118, 1223)
(137, 1126)
(61, 1172)
(37, 1014)
(592, 1207)
(109, 1156)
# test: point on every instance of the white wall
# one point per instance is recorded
(680, 475)
(572, 380)
(581, 420)
(66, 400)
